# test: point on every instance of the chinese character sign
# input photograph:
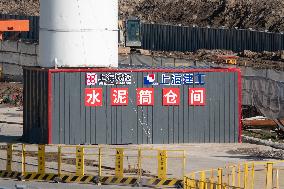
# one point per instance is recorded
(171, 97)
(119, 96)
(169, 84)
(115, 79)
(176, 79)
(145, 96)
(93, 97)
(197, 96)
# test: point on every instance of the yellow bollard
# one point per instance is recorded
(162, 164)
(100, 161)
(119, 162)
(184, 163)
(220, 178)
(234, 176)
(59, 156)
(23, 159)
(252, 176)
(277, 179)
(41, 159)
(191, 182)
(246, 176)
(186, 183)
(9, 157)
(228, 175)
(212, 179)
(80, 161)
(269, 175)
(202, 180)
(139, 164)
(239, 175)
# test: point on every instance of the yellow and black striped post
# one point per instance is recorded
(119, 162)
(162, 164)
(139, 164)
(9, 157)
(41, 159)
(80, 161)
(23, 159)
(100, 161)
(59, 156)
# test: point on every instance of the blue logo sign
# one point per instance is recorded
(149, 79)
(176, 79)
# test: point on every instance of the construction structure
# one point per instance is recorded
(67, 101)
(137, 106)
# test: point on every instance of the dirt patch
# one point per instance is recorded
(256, 14)
(259, 153)
(11, 93)
(264, 134)
(20, 7)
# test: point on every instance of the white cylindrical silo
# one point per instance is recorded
(78, 33)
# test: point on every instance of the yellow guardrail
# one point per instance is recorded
(249, 175)
(85, 163)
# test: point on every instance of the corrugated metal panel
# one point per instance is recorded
(179, 38)
(73, 123)
(35, 106)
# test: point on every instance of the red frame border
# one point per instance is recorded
(50, 71)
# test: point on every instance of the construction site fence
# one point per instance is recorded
(160, 37)
(107, 164)
(250, 175)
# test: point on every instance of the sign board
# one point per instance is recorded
(145, 96)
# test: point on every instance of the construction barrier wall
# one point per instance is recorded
(161, 37)
(119, 165)
(138, 106)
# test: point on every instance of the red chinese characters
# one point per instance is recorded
(93, 97)
(171, 97)
(145, 96)
(197, 96)
(119, 96)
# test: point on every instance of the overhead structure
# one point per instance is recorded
(79, 33)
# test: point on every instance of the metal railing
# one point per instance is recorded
(249, 175)
(61, 161)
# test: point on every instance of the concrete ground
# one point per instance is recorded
(12, 184)
(198, 156)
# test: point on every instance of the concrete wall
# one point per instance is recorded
(14, 55)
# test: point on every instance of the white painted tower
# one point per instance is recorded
(78, 33)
